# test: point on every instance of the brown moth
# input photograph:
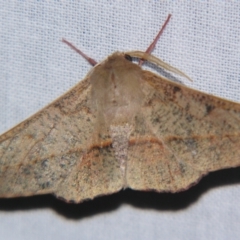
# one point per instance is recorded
(120, 127)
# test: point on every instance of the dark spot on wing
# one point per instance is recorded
(189, 118)
(176, 89)
(209, 108)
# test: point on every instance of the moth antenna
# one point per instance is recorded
(90, 60)
(153, 44)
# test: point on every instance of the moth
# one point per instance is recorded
(120, 127)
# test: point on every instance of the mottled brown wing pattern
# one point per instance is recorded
(54, 152)
(97, 173)
(191, 134)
